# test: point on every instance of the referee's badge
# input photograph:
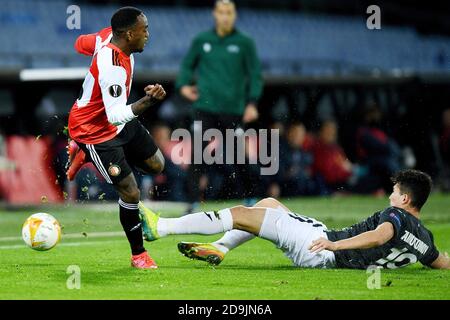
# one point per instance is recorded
(114, 170)
(207, 47)
(115, 90)
(232, 48)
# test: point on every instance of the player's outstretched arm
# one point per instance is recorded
(370, 239)
(87, 44)
(442, 262)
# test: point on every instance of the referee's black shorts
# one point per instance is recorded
(115, 158)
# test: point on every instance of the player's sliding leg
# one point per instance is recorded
(215, 252)
(257, 220)
(210, 222)
(129, 218)
(283, 229)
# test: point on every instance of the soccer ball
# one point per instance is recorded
(41, 231)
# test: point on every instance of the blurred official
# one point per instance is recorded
(227, 88)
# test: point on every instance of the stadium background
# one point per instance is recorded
(319, 61)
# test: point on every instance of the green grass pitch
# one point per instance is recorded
(257, 270)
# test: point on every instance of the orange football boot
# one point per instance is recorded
(143, 261)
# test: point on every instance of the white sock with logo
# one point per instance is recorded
(208, 222)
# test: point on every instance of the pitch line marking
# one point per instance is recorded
(77, 235)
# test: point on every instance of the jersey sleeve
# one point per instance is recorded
(112, 80)
(431, 255)
(88, 44)
(395, 217)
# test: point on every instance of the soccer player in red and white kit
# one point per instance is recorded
(105, 128)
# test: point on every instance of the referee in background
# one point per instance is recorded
(227, 89)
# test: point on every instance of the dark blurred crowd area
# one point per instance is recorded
(324, 149)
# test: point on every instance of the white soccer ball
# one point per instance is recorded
(41, 231)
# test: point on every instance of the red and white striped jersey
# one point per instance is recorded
(101, 110)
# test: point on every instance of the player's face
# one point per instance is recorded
(397, 198)
(225, 16)
(140, 34)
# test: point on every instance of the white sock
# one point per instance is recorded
(210, 222)
(232, 239)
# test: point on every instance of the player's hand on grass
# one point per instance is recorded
(155, 91)
(250, 114)
(190, 93)
(322, 244)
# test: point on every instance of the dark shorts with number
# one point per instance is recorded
(115, 158)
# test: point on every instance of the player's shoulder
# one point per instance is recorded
(393, 210)
(108, 57)
(105, 33)
(109, 66)
(394, 215)
(104, 55)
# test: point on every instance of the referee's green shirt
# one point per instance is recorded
(227, 70)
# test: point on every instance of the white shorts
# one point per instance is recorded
(293, 234)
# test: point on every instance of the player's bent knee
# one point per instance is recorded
(159, 166)
(240, 209)
(160, 161)
(272, 201)
(156, 162)
(268, 202)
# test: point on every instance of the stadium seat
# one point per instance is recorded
(32, 181)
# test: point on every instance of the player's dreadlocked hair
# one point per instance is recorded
(416, 184)
(124, 18)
